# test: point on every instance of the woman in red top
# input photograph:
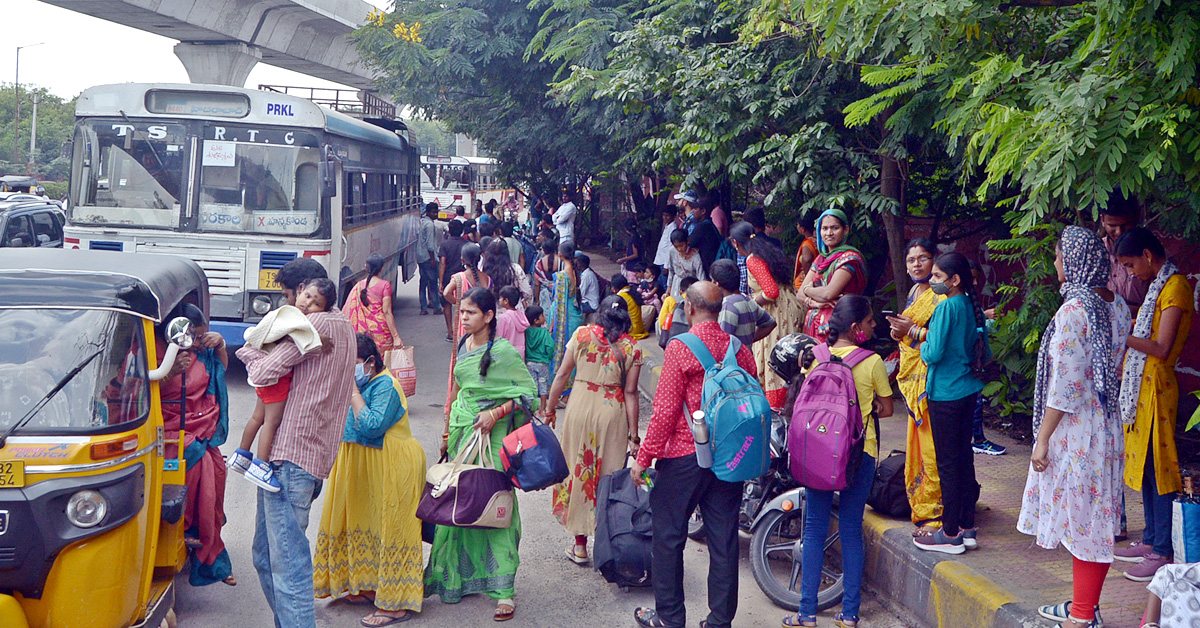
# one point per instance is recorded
(770, 284)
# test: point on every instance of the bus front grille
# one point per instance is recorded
(224, 267)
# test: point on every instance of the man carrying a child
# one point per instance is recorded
(304, 447)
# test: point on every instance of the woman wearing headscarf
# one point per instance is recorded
(839, 269)
(1150, 396)
(1073, 492)
(921, 479)
(769, 279)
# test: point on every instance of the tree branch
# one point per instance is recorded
(1040, 3)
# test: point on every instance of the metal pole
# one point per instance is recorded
(17, 117)
(35, 97)
(17, 122)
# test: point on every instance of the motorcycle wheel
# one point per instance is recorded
(775, 561)
(695, 530)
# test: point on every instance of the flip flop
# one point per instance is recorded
(390, 619)
(576, 558)
(353, 599)
(230, 580)
(648, 618)
(504, 615)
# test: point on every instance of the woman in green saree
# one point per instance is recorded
(489, 376)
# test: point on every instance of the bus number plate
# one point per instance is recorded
(12, 474)
(266, 279)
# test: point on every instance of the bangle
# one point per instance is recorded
(635, 439)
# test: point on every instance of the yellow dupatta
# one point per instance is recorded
(921, 480)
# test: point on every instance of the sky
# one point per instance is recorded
(80, 51)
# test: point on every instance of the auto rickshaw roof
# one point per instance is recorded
(149, 286)
(19, 181)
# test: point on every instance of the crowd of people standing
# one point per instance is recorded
(535, 331)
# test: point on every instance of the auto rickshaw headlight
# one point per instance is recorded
(261, 304)
(86, 509)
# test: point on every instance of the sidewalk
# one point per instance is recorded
(1005, 581)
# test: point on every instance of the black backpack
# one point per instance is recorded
(889, 496)
(623, 547)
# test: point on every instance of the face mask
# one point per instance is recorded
(939, 287)
(925, 280)
(360, 375)
(861, 338)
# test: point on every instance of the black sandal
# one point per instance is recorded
(648, 618)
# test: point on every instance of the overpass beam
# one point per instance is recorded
(226, 63)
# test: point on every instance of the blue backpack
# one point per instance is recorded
(737, 412)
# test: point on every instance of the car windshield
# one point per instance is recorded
(38, 347)
(128, 174)
(259, 189)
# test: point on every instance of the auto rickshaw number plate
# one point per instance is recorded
(12, 474)
(266, 279)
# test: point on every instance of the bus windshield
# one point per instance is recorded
(38, 347)
(135, 172)
(260, 189)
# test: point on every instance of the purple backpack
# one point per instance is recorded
(825, 438)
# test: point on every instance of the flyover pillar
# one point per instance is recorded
(227, 63)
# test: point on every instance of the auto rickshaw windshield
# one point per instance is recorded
(40, 347)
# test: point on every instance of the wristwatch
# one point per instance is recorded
(635, 439)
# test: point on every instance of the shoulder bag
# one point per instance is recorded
(464, 494)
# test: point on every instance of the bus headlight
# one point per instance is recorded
(86, 509)
(261, 304)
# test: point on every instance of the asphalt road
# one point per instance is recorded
(551, 591)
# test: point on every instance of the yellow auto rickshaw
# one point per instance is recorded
(92, 490)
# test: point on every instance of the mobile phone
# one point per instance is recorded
(889, 313)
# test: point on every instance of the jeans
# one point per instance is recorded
(281, 552)
(428, 285)
(816, 530)
(1157, 509)
(951, 424)
(679, 487)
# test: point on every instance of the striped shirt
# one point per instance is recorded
(315, 413)
(742, 317)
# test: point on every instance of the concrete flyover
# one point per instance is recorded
(222, 40)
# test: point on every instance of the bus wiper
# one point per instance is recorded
(50, 395)
(149, 145)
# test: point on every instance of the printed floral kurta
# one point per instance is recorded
(1076, 501)
(595, 432)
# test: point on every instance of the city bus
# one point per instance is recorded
(489, 187)
(241, 181)
(449, 182)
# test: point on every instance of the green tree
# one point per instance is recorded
(432, 136)
(55, 123)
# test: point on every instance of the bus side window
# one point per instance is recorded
(308, 188)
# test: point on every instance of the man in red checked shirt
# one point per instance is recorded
(681, 484)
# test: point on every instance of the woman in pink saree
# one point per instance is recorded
(369, 308)
(207, 425)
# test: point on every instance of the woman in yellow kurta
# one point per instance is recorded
(369, 543)
(1150, 396)
(920, 464)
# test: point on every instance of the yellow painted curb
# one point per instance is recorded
(961, 596)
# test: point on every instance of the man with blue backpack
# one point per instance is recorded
(702, 471)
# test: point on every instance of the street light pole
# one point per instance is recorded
(17, 119)
(35, 98)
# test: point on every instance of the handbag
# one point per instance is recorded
(1185, 530)
(464, 494)
(403, 365)
(531, 455)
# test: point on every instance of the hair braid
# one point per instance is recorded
(978, 359)
(486, 360)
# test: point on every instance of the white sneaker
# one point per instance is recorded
(260, 475)
(239, 461)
